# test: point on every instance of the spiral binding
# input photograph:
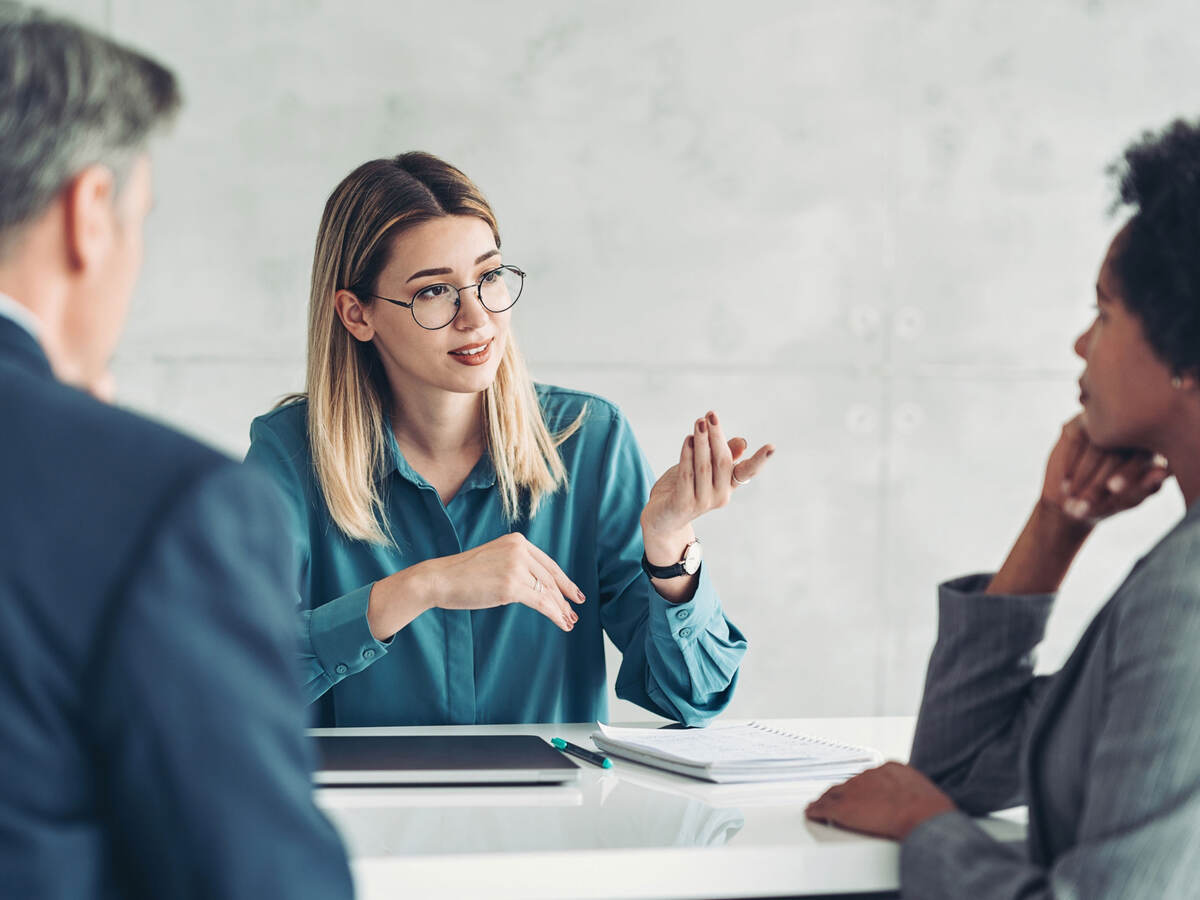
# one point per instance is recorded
(804, 738)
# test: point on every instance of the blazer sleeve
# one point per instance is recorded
(334, 639)
(1141, 806)
(678, 660)
(197, 718)
(980, 692)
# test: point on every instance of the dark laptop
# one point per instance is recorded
(440, 759)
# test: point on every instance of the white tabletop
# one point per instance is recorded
(627, 832)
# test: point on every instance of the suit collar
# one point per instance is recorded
(19, 347)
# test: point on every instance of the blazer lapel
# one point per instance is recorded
(1042, 724)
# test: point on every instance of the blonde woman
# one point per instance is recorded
(462, 536)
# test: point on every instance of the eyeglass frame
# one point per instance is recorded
(458, 296)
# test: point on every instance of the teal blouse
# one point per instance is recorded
(506, 664)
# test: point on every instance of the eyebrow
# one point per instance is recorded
(425, 273)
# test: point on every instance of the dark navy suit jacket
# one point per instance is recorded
(151, 728)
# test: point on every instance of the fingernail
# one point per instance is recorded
(712, 417)
(579, 594)
(770, 453)
(1076, 509)
(1116, 484)
(703, 426)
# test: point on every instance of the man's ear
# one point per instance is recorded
(89, 217)
(353, 315)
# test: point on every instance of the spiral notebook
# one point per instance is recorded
(736, 753)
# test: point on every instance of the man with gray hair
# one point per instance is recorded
(152, 740)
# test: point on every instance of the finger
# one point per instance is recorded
(543, 596)
(1089, 462)
(737, 446)
(1076, 442)
(818, 813)
(722, 461)
(702, 464)
(687, 465)
(1128, 485)
(830, 794)
(1087, 499)
(748, 468)
(1153, 479)
(559, 578)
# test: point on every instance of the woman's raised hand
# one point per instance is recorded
(506, 570)
(1089, 483)
(709, 470)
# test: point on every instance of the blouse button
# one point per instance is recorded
(341, 668)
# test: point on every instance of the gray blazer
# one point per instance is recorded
(1106, 752)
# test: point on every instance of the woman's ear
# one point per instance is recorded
(354, 316)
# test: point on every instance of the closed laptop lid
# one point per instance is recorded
(440, 759)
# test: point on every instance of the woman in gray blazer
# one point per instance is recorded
(1106, 752)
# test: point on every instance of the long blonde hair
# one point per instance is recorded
(347, 391)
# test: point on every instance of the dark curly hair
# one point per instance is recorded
(1159, 262)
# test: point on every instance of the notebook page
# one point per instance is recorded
(732, 745)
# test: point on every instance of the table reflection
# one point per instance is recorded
(600, 813)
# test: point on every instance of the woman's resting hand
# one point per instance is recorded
(506, 570)
(1088, 483)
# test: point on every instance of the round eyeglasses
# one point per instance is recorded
(437, 306)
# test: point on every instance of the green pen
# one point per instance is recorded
(583, 753)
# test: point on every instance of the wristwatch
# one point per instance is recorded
(689, 565)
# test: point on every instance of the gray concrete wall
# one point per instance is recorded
(867, 231)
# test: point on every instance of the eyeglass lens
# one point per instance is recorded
(437, 305)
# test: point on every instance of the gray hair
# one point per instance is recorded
(69, 98)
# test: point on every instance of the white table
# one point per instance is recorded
(628, 832)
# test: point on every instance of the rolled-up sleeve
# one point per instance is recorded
(679, 660)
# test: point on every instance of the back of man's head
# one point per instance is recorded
(69, 98)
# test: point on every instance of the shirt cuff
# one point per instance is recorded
(686, 622)
(341, 637)
(965, 608)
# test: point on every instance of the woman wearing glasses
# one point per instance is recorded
(1105, 752)
(462, 536)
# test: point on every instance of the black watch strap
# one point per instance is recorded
(662, 571)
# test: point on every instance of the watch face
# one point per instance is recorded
(691, 558)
